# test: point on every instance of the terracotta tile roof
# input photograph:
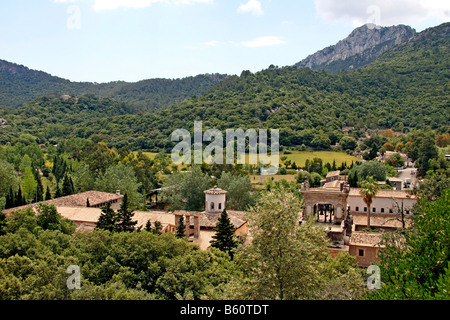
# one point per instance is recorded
(77, 200)
(333, 174)
(215, 191)
(355, 192)
(366, 239)
(383, 220)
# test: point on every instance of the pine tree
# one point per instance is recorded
(58, 193)
(2, 223)
(181, 229)
(148, 226)
(67, 188)
(39, 195)
(20, 199)
(125, 217)
(48, 194)
(108, 219)
(158, 228)
(10, 199)
(224, 239)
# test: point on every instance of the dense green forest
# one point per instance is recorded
(404, 89)
(19, 85)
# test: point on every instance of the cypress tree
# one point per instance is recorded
(87, 203)
(125, 216)
(39, 194)
(2, 223)
(67, 188)
(158, 228)
(224, 239)
(20, 199)
(148, 226)
(10, 199)
(108, 219)
(181, 229)
(48, 194)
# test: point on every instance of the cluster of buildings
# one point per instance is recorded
(340, 209)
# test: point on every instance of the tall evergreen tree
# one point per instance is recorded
(181, 229)
(125, 216)
(2, 223)
(108, 219)
(148, 226)
(224, 239)
(67, 188)
(48, 194)
(10, 199)
(39, 195)
(20, 199)
(158, 228)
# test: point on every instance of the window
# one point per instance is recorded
(365, 209)
(220, 206)
(212, 205)
(357, 209)
(361, 252)
(390, 211)
(382, 210)
(374, 210)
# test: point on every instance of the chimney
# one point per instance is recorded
(118, 192)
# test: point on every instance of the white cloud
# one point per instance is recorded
(100, 5)
(212, 43)
(383, 12)
(267, 41)
(252, 6)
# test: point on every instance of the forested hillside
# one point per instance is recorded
(405, 88)
(19, 85)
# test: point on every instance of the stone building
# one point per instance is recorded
(342, 211)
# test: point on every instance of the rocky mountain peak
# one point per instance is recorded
(360, 48)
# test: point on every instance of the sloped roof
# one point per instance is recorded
(76, 200)
(215, 191)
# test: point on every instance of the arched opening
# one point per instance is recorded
(212, 205)
(220, 206)
(325, 213)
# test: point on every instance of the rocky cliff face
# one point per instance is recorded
(360, 48)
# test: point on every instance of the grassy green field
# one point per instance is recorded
(300, 157)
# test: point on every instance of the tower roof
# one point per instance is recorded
(215, 191)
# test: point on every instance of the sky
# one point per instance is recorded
(132, 40)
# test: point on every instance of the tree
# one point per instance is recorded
(120, 178)
(224, 239)
(348, 143)
(48, 218)
(39, 195)
(108, 219)
(125, 215)
(284, 261)
(181, 229)
(29, 184)
(369, 189)
(67, 187)
(8, 178)
(443, 140)
(239, 196)
(2, 223)
(158, 228)
(395, 161)
(148, 226)
(48, 194)
(415, 262)
(185, 191)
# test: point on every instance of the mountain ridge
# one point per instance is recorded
(360, 48)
